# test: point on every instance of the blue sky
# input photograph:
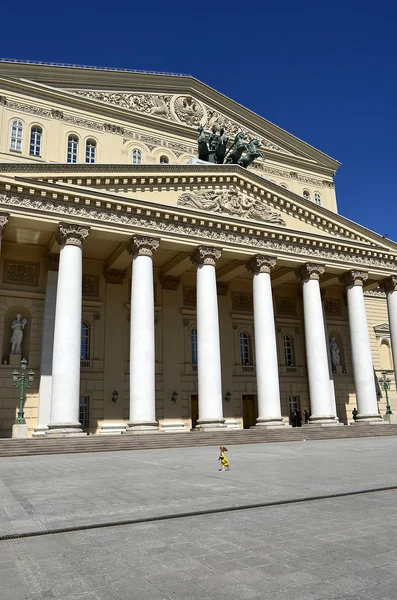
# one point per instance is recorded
(324, 71)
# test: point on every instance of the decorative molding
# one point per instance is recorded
(69, 234)
(310, 271)
(231, 202)
(116, 276)
(90, 285)
(242, 301)
(333, 307)
(189, 295)
(376, 293)
(389, 284)
(285, 305)
(168, 282)
(222, 288)
(205, 255)
(220, 234)
(260, 264)
(51, 261)
(142, 245)
(18, 272)
(354, 278)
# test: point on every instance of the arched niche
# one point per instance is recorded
(385, 355)
(9, 317)
(335, 336)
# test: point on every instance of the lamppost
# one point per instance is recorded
(22, 383)
(385, 384)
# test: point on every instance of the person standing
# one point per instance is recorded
(225, 465)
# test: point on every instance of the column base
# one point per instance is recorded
(390, 419)
(20, 431)
(112, 428)
(323, 421)
(60, 430)
(40, 431)
(143, 427)
(375, 419)
(231, 424)
(269, 423)
(173, 427)
(210, 424)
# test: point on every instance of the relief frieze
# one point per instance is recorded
(21, 272)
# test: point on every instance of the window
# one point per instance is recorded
(317, 198)
(193, 345)
(35, 141)
(288, 353)
(90, 151)
(306, 194)
(283, 186)
(83, 412)
(136, 157)
(164, 160)
(244, 349)
(293, 403)
(85, 340)
(16, 136)
(73, 145)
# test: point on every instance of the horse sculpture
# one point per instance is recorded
(235, 152)
(251, 154)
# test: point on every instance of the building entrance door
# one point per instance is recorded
(194, 409)
(250, 411)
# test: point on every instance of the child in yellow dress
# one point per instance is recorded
(222, 457)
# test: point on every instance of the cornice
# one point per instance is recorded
(170, 224)
(144, 176)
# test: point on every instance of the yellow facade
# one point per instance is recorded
(117, 113)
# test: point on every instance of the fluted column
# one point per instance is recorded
(208, 346)
(321, 405)
(142, 343)
(47, 345)
(67, 334)
(3, 224)
(363, 370)
(269, 407)
(389, 286)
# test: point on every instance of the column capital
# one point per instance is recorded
(310, 271)
(168, 282)
(260, 264)
(114, 275)
(205, 255)
(52, 261)
(354, 278)
(389, 284)
(142, 245)
(69, 234)
(3, 221)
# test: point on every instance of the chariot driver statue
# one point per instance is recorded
(17, 334)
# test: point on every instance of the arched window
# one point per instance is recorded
(306, 194)
(193, 346)
(35, 141)
(16, 136)
(85, 340)
(164, 160)
(136, 157)
(245, 357)
(283, 186)
(288, 351)
(73, 146)
(317, 198)
(90, 151)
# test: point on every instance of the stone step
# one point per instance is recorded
(44, 446)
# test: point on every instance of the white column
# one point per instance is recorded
(321, 405)
(3, 223)
(389, 285)
(47, 346)
(208, 345)
(142, 346)
(363, 370)
(67, 334)
(269, 406)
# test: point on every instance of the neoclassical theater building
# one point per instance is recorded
(151, 290)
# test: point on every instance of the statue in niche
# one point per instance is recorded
(17, 334)
(335, 354)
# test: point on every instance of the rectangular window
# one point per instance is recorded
(293, 403)
(83, 412)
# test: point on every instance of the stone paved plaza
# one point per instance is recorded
(344, 547)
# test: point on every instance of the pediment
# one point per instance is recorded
(382, 328)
